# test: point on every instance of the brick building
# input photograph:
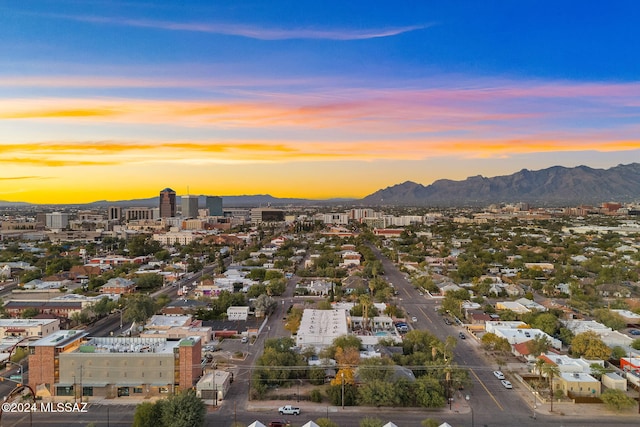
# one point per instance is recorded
(68, 363)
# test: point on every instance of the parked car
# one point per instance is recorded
(279, 423)
(414, 319)
(462, 336)
(499, 375)
(244, 340)
(635, 332)
(506, 384)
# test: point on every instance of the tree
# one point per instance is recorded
(265, 303)
(590, 346)
(618, 353)
(636, 344)
(325, 422)
(149, 282)
(103, 307)
(30, 312)
(183, 410)
(610, 319)
(139, 308)
(147, 415)
(538, 345)
(550, 371)
(546, 322)
(371, 422)
(617, 400)
(492, 342)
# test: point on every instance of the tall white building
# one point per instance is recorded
(57, 220)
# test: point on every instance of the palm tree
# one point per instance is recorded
(537, 366)
(550, 370)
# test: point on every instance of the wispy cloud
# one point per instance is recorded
(19, 178)
(253, 32)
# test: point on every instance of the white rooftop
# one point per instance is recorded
(162, 321)
(578, 376)
(319, 328)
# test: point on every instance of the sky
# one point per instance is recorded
(116, 100)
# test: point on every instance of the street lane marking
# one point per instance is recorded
(425, 314)
(487, 390)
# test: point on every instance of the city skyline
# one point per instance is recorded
(298, 99)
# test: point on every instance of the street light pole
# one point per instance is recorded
(470, 407)
(342, 390)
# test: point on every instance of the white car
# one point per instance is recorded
(506, 384)
(499, 375)
(414, 319)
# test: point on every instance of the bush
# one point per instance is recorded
(315, 396)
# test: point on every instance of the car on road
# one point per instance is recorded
(635, 332)
(279, 423)
(244, 340)
(462, 336)
(289, 410)
(506, 384)
(414, 319)
(499, 375)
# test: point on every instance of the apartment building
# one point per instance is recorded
(68, 363)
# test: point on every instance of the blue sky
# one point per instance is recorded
(349, 97)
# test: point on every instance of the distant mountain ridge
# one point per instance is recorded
(556, 185)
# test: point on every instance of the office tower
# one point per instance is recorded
(57, 220)
(214, 204)
(167, 203)
(115, 213)
(189, 206)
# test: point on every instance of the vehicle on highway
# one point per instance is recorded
(279, 423)
(289, 410)
(506, 384)
(499, 375)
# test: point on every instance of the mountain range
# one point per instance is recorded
(554, 186)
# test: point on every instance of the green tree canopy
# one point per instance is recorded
(139, 308)
(590, 346)
(183, 410)
(617, 400)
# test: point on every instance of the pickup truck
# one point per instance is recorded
(289, 410)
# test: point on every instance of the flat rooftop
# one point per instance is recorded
(133, 345)
(60, 338)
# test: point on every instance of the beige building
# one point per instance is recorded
(68, 363)
(577, 384)
(28, 328)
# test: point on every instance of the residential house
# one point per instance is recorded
(118, 286)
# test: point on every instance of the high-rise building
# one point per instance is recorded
(214, 204)
(115, 213)
(167, 203)
(57, 220)
(189, 206)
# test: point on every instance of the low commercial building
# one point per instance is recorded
(578, 384)
(28, 328)
(214, 386)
